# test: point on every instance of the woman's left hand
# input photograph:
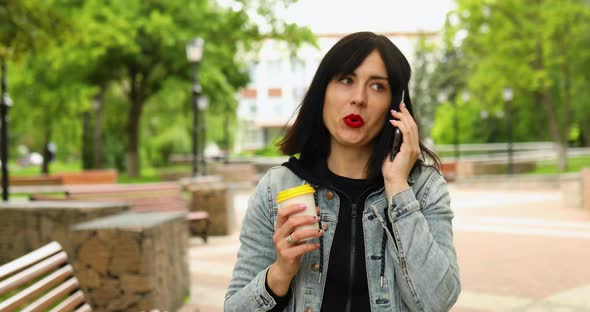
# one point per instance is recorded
(396, 173)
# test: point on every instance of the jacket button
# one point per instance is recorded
(325, 226)
(308, 310)
(315, 267)
(329, 195)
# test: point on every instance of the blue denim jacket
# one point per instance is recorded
(421, 271)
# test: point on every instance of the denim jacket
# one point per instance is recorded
(421, 271)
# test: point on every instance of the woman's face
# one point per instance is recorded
(356, 105)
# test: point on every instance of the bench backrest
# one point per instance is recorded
(40, 281)
(105, 176)
(143, 197)
(35, 180)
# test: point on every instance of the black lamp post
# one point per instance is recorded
(194, 53)
(203, 104)
(507, 95)
(5, 103)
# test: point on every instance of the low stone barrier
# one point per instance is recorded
(476, 168)
(210, 194)
(26, 226)
(133, 261)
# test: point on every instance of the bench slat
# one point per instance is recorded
(122, 188)
(33, 272)
(84, 308)
(71, 303)
(23, 262)
(36, 289)
(53, 296)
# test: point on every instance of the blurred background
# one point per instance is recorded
(158, 91)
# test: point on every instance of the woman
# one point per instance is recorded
(384, 240)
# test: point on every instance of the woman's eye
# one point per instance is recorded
(346, 80)
(378, 87)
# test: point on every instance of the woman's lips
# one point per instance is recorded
(354, 121)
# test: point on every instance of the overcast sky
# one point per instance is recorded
(345, 16)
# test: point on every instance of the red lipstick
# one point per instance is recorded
(354, 121)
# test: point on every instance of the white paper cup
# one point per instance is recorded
(302, 194)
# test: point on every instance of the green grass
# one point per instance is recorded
(575, 164)
(148, 174)
(55, 167)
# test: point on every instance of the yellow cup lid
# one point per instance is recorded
(294, 192)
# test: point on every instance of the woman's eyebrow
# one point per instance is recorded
(378, 77)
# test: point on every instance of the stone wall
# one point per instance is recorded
(133, 261)
(570, 185)
(477, 168)
(212, 195)
(26, 226)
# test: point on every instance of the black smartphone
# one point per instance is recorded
(397, 136)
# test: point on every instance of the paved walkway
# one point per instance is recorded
(517, 251)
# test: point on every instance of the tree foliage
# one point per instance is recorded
(539, 48)
(125, 63)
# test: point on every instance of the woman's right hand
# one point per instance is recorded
(289, 252)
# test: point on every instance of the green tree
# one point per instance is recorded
(147, 45)
(26, 26)
(538, 48)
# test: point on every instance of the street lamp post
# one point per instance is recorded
(194, 53)
(507, 95)
(5, 103)
(203, 104)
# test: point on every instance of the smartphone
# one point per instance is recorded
(397, 137)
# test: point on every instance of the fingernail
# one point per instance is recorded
(302, 206)
(403, 104)
(315, 218)
(321, 231)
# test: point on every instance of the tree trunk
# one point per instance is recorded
(46, 153)
(556, 132)
(98, 112)
(136, 99)
(87, 148)
(567, 107)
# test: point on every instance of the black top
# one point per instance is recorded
(346, 281)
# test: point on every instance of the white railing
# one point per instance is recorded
(498, 152)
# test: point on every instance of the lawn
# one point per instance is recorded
(148, 174)
(575, 164)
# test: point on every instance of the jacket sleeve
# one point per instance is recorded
(425, 259)
(247, 291)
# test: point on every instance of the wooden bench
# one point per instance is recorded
(106, 176)
(41, 281)
(142, 197)
(35, 180)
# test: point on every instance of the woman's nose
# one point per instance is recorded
(359, 95)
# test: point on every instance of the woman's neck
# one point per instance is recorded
(349, 162)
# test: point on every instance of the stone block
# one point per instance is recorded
(96, 253)
(148, 267)
(213, 197)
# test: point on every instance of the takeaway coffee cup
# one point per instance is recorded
(302, 194)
